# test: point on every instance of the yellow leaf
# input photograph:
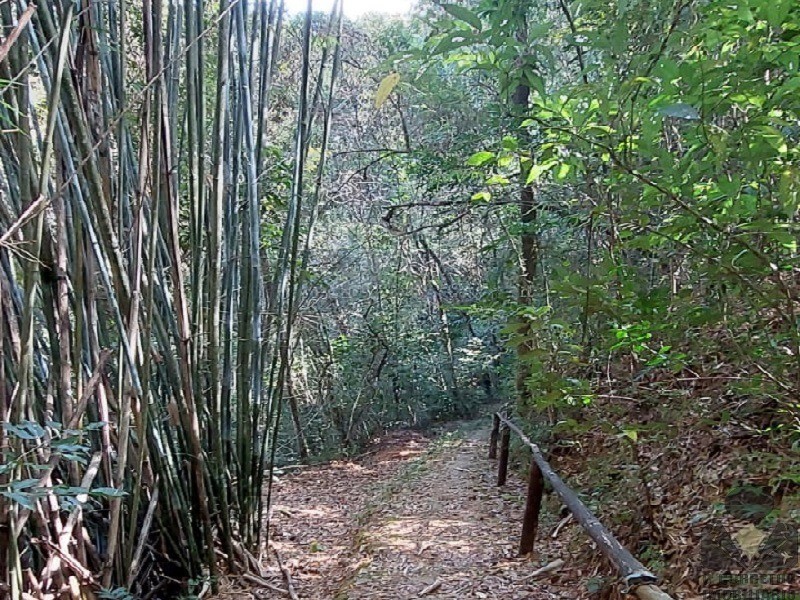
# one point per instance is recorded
(385, 88)
(749, 539)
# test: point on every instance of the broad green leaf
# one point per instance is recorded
(451, 43)
(385, 88)
(510, 143)
(538, 30)
(777, 11)
(506, 160)
(729, 186)
(538, 170)
(619, 35)
(480, 158)
(497, 180)
(772, 137)
(463, 14)
(536, 82)
(745, 14)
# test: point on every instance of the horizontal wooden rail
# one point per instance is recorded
(637, 579)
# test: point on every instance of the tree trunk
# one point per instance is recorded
(302, 443)
(528, 214)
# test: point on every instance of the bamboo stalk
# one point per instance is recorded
(169, 321)
(12, 37)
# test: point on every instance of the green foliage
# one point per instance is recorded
(118, 593)
(666, 176)
(19, 457)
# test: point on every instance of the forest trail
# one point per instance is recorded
(414, 517)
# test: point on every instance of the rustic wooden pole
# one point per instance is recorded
(533, 505)
(636, 577)
(505, 444)
(494, 436)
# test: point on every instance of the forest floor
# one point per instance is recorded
(421, 516)
(414, 517)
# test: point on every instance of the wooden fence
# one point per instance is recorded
(637, 580)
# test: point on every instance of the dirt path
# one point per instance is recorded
(416, 515)
(448, 530)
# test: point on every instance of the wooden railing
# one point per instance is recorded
(636, 579)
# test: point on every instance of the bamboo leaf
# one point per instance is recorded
(107, 492)
(24, 500)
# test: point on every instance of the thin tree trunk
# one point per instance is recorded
(528, 215)
(294, 409)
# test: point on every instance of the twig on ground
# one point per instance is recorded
(431, 588)
(561, 525)
(548, 568)
(205, 590)
(286, 575)
(261, 582)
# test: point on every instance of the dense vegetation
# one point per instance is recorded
(233, 238)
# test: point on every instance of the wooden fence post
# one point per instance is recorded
(505, 444)
(635, 576)
(494, 436)
(533, 505)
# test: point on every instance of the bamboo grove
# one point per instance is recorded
(146, 325)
